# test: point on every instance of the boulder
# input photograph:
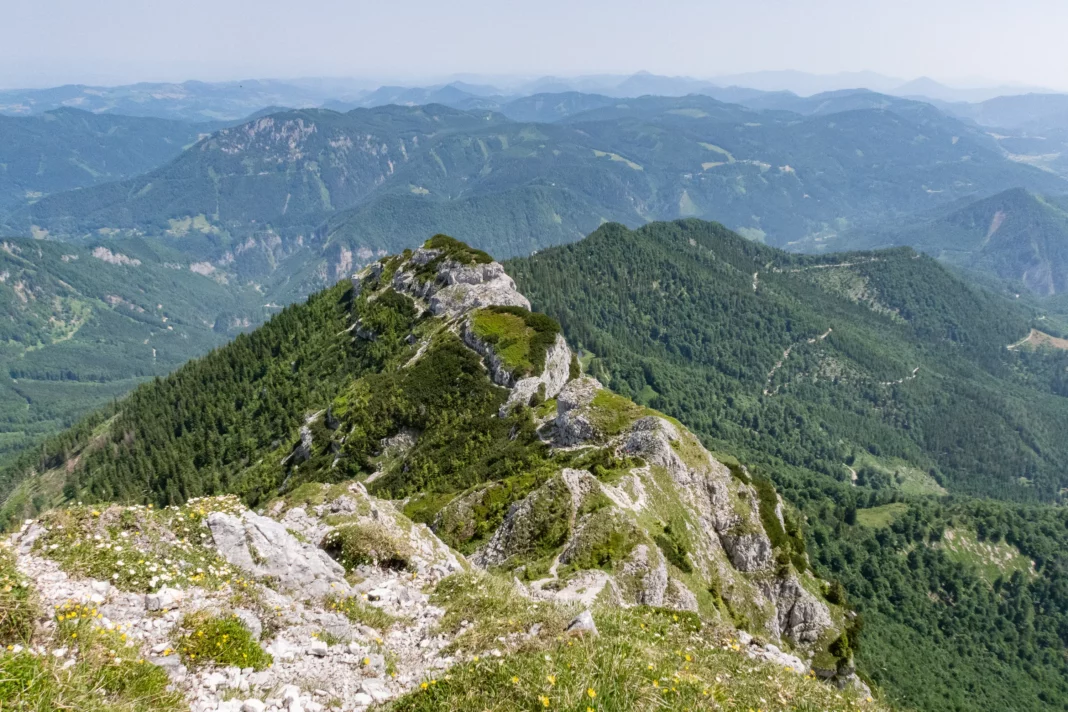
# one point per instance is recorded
(163, 600)
(582, 625)
(263, 548)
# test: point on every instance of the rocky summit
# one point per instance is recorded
(471, 524)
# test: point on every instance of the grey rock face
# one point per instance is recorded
(458, 288)
(582, 625)
(647, 568)
(573, 424)
(554, 377)
(801, 616)
(263, 547)
(750, 551)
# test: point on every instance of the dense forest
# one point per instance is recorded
(963, 600)
(81, 325)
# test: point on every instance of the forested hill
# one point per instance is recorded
(82, 325)
(67, 149)
(808, 365)
(811, 359)
(1015, 235)
(335, 189)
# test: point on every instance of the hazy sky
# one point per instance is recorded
(114, 41)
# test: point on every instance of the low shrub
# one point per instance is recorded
(223, 640)
(355, 544)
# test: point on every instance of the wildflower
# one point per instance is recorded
(544, 701)
(551, 679)
(591, 692)
(515, 680)
(424, 685)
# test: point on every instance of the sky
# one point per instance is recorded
(49, 42)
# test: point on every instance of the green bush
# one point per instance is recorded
(224, 641)
(355, 544)
(359, 612)
(673, 544)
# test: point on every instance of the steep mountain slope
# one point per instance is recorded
(444, 391)
(861, 344)
(1015, 235)
(83, 325)
(865, 385)
(68, 148)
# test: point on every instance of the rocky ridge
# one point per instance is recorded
(638, 512)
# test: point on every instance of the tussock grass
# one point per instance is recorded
(18, 605)
(359, 612)
(644, 659)
(108, 675)
(355, 544)
(221, 640)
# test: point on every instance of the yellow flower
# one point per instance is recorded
(424, 686)
(367, 661)
(544, 701)
(591, 692)
(551, 679)
(515, 680)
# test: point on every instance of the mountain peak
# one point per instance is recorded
(459, 409)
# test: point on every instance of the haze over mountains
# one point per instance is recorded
(270, 204)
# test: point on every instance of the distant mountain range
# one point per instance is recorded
(208, 101)
(268, 210)
(333, 190)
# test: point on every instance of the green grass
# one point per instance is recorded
(989, 559)
(611, 413)
(900, 474)
(224, 641)
(519, 337)
(18, 607)
(881, 517)
(643, 659)
(357, 611)
(109, 675)
(355, 544)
